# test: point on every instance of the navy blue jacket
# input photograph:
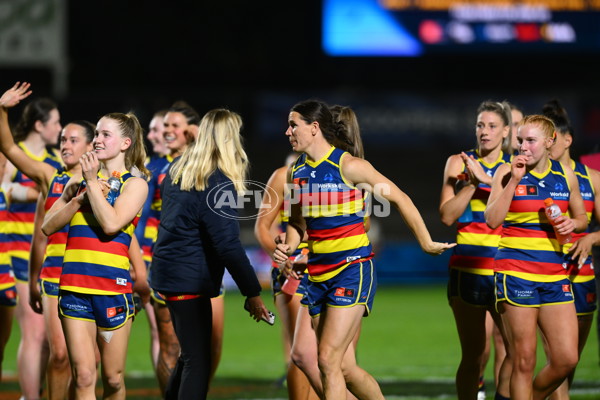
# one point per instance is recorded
(198, 237)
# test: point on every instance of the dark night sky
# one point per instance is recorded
(144, 55)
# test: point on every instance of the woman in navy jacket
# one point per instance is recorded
(198, 237)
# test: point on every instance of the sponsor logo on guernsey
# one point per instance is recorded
(313, 174)
(558, 195)
(57, 188)
(566, 288)
(542, 184)
(121, 281)
(586, 194)
(329, 186)
(526, 190)
(352, 258)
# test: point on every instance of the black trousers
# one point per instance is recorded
(192, 320)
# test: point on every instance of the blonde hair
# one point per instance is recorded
(135, 155)
(218, 145)
(544, 123)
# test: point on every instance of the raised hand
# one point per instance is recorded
(475, 170)
(15, 94)
(519, 167)
(89, 166)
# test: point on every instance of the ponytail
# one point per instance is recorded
(557, 113)
(135, 155)
(347, 131)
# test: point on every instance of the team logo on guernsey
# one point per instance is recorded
(161, 177)
(328, 177)
(559, 186)
(343, 292)
(526, 190)
(57, 188)
(300, 182)
(566, 288)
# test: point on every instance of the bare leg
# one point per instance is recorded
(558, 324)
(32, 354)
(58, 373)
(301, 384)
(499, 352)
(169, 345)
(336, 328)
(154, 341)
(505, 364)
(472, 332)
(281, 304)
(6, 317)
(521, 326)
(113, 356)
(489, 328)
(585, 325)
(81, 345)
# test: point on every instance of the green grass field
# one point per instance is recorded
(409, 344)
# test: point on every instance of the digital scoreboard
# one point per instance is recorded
(412, 28)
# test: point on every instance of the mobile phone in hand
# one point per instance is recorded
(270, 320)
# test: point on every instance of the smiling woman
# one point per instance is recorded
(342, 279)
(95, 297)
(45, 263)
